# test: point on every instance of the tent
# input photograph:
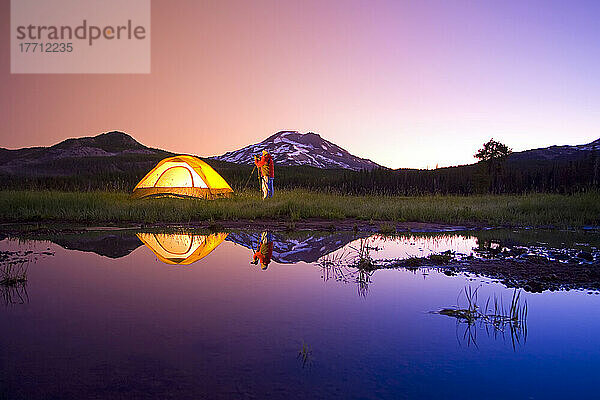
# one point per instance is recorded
(181, 248)
(182, 176)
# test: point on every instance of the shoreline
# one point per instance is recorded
(309, 224)
(385, 227)
(531, 273)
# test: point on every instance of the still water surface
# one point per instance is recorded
(141, 322)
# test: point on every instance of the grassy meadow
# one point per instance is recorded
(295, 205)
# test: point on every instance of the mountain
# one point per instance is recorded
(116, 161)
(111, 152)
(118, 153)
(292, 148)
(557, 153)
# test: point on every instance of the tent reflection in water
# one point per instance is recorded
(185, 176)
(181, 248)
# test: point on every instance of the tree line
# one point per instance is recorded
(495, 173)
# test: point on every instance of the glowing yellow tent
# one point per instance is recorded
(181, 248)
(182, 176)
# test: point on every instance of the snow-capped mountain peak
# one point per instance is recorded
(295, 148)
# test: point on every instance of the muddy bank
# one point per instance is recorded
(533, 275)
(341, 225)
(536, 275)
(322, 225)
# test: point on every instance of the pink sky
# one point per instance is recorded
(406, 84)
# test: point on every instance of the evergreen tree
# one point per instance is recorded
(494, 154)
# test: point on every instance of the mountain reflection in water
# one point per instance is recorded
(311, 246)
(185, 248)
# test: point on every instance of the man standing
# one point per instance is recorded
(267, 173)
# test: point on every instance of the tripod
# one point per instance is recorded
(250, 176)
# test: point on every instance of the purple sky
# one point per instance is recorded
(404, 83)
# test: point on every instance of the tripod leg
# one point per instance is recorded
(250, 176)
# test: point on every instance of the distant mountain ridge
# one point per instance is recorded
(293, 148)
(118, 151)
(557, 153)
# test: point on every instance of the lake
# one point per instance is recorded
(111, 314)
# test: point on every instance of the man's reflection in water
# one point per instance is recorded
(264, 251)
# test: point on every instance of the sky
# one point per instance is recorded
(408, 84)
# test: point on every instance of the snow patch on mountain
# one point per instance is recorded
(294, 148)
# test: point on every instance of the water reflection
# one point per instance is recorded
(14, 271)
(305, 356)
(534, 260)
(353, 263)
(181, 248)
(496, 317)
(293, 247)
(131, 327)
(13, 282)
(264, 250)
(310, 246)
(111, 244)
